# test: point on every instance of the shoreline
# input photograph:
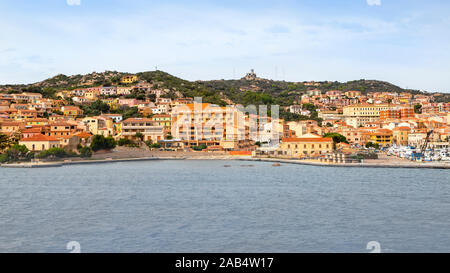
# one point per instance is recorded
(409, 165)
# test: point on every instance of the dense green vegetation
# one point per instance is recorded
(372, 145)
(16, 153)
(199, 148)
(152, 145)
(85, 152)
(4, 142)
(217, 92)
(418, 109)
(96, 108)
(102, 143)
(337, 138)
(127, 142)
(56, 153)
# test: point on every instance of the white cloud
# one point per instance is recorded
(73, 2)
(374, 2)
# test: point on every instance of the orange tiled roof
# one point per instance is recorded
(404, 128)
(38, 138)
(322, 139)
(138, 120)
(83, 135)
(33, 130)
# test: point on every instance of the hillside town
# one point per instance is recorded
(84, 120)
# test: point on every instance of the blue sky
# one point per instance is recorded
(406, 42)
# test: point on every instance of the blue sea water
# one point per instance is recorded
(202, 206)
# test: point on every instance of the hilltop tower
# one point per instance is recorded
(251, 76)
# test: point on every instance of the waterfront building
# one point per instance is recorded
(305, 147)
(40, 142)
(163, 120)
(145, 126)
(383, 137)
(400, 135)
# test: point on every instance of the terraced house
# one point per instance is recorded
(72, 111)
(129, 79)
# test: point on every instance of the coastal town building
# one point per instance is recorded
(72, 111)
(40, 142)
(129, 79)
(144, 126)
(400, 135)
(310, 146)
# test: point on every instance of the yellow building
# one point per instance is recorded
(112, 103)
(361, 114)
(365, 110)
(163, 120)
(100, 125)
(129, 79)
(400, 135)
(37, 122)
(40, 143)
(305, 147)
(405, 100)
(72, 111)
(383, 137)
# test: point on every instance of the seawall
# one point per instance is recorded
(409, 165)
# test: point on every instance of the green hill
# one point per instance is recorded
(222, 92)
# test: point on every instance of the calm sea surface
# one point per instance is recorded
(201, 206)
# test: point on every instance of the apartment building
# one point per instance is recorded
(147, 127)
(360, 114)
